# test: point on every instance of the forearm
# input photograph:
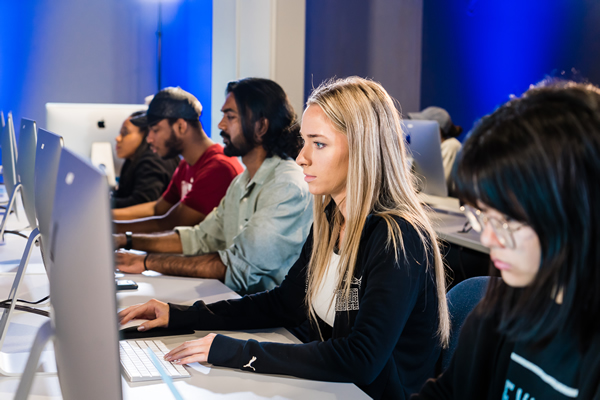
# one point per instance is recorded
(145, 225)
(134, 212)
(162, 242)
(205, 266)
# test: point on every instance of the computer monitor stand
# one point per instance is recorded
(44, 335)
(11, 364)
(9, 208)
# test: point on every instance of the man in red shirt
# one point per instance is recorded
(203, 175)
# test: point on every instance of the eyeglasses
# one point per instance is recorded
(501, 229)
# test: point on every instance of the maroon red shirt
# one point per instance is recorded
(202, 186)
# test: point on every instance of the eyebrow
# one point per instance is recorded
(313, 135)
(228, 110)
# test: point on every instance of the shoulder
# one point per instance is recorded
(379, 226)
(451, 144)
(215, 160)
(413, 247)
(288, 173)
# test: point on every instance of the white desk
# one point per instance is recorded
(218, 383)
(449, 221)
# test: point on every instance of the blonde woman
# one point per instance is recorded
(369, 280)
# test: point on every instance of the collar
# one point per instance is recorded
(261, 175)
(329, 210)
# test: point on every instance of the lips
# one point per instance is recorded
(501, 265)
(309, 178)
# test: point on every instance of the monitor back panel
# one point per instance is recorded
(82, 284)
(26, 167)
(47, 157)
(425, 148)
(9, 156)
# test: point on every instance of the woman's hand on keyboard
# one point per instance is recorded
(155, 311)
(191, 351)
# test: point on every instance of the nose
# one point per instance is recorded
(221, 125)
(302, 159)
(119, 138)
(149, 137)
(488, 237)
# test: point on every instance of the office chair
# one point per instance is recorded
(462, 299)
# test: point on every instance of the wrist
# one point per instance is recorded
(121, 240)
(128, 240)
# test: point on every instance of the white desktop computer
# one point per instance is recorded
(83, 323)
(82, 124)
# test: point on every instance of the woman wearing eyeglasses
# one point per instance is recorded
(529, 174)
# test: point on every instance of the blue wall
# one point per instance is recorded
(187, 50)
(477, 53)
(100, 52)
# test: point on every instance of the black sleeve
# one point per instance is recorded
(390, 294)
(473, 365)
(149, 182)
(281, 306)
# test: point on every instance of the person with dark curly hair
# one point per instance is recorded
(253, 237)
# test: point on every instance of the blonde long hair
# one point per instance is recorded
(379, 182)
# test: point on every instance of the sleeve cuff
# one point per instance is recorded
(226, 352)
(186, 236)
(179, 317)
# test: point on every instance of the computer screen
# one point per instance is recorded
(81, 124)
(424, 145)
(82, 284)
(9, 155)
(47, 157)
(26, 167)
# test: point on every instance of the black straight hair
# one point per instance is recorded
(258, 98)
(536, 159)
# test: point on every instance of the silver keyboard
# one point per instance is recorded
(136, 363)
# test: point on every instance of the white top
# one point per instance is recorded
(450, 147)
(324, 302)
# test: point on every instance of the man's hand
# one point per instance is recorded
(128, 262)
(120, 240)
(155, 311)
(192, 351)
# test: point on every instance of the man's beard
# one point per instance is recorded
(174, 146)
(231, 150)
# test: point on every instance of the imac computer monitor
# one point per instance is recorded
(47, 157)
(82, 124)
(9, 156)
(424, 146)
(26, 168)
(82, 284)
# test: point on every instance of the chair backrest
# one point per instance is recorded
(462, 299)
(26, 168)
(9, 156)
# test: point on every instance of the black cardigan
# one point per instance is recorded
(143, 178)
(480, 363)
(384, 335)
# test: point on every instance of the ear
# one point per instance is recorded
(180, 126)
(260, 128)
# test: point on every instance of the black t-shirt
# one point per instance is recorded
(550, 372)
(144, 177)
